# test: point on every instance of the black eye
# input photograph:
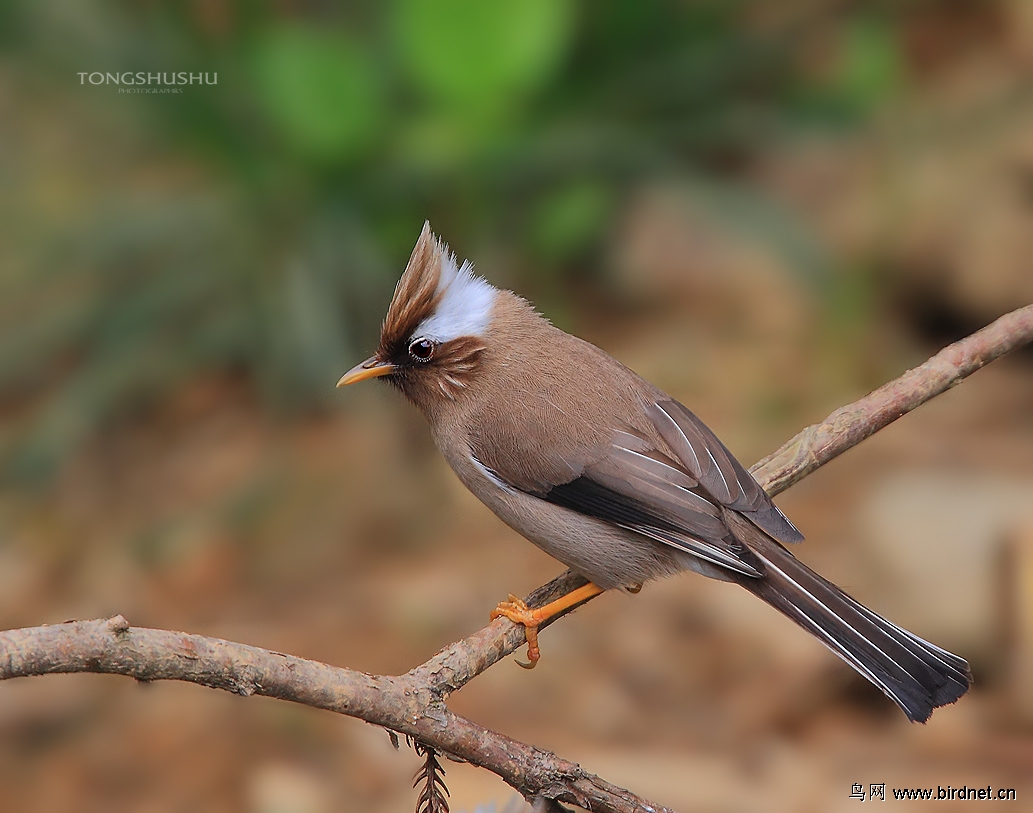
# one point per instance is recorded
(421, 349)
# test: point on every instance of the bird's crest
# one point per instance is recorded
(435, 298)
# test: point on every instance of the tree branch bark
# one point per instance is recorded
(414, 703)
(849, 425)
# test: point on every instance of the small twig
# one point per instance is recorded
(434, 796)
(414, 704)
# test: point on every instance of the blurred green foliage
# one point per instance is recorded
(310, 84)
(256, 226)
(867, 71)
(480, 60)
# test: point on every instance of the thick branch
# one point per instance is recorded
(411, 704)
(414, 703)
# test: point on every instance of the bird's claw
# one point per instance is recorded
(517, 611)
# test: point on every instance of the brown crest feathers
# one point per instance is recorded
(416, 294)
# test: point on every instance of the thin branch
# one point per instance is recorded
(414, 703)
(847, 426)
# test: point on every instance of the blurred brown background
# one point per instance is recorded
(767, 208)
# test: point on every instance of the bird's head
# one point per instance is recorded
(432, 338)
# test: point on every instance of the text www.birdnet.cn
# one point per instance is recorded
(876, 791)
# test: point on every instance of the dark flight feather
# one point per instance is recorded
(591, 498)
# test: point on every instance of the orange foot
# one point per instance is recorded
(517, 611)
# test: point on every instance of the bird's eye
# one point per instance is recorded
(421, 349)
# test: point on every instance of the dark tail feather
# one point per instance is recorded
(913, 673)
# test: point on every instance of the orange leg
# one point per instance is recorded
(519, 613)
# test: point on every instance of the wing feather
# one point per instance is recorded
(670, 482)
(719, 473)
(587, 495)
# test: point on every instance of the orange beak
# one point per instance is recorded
(372, 367)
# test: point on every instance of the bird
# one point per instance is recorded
(609, 474)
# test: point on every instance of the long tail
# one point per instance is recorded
(913, 673)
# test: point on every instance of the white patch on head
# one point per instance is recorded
(465, 305)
